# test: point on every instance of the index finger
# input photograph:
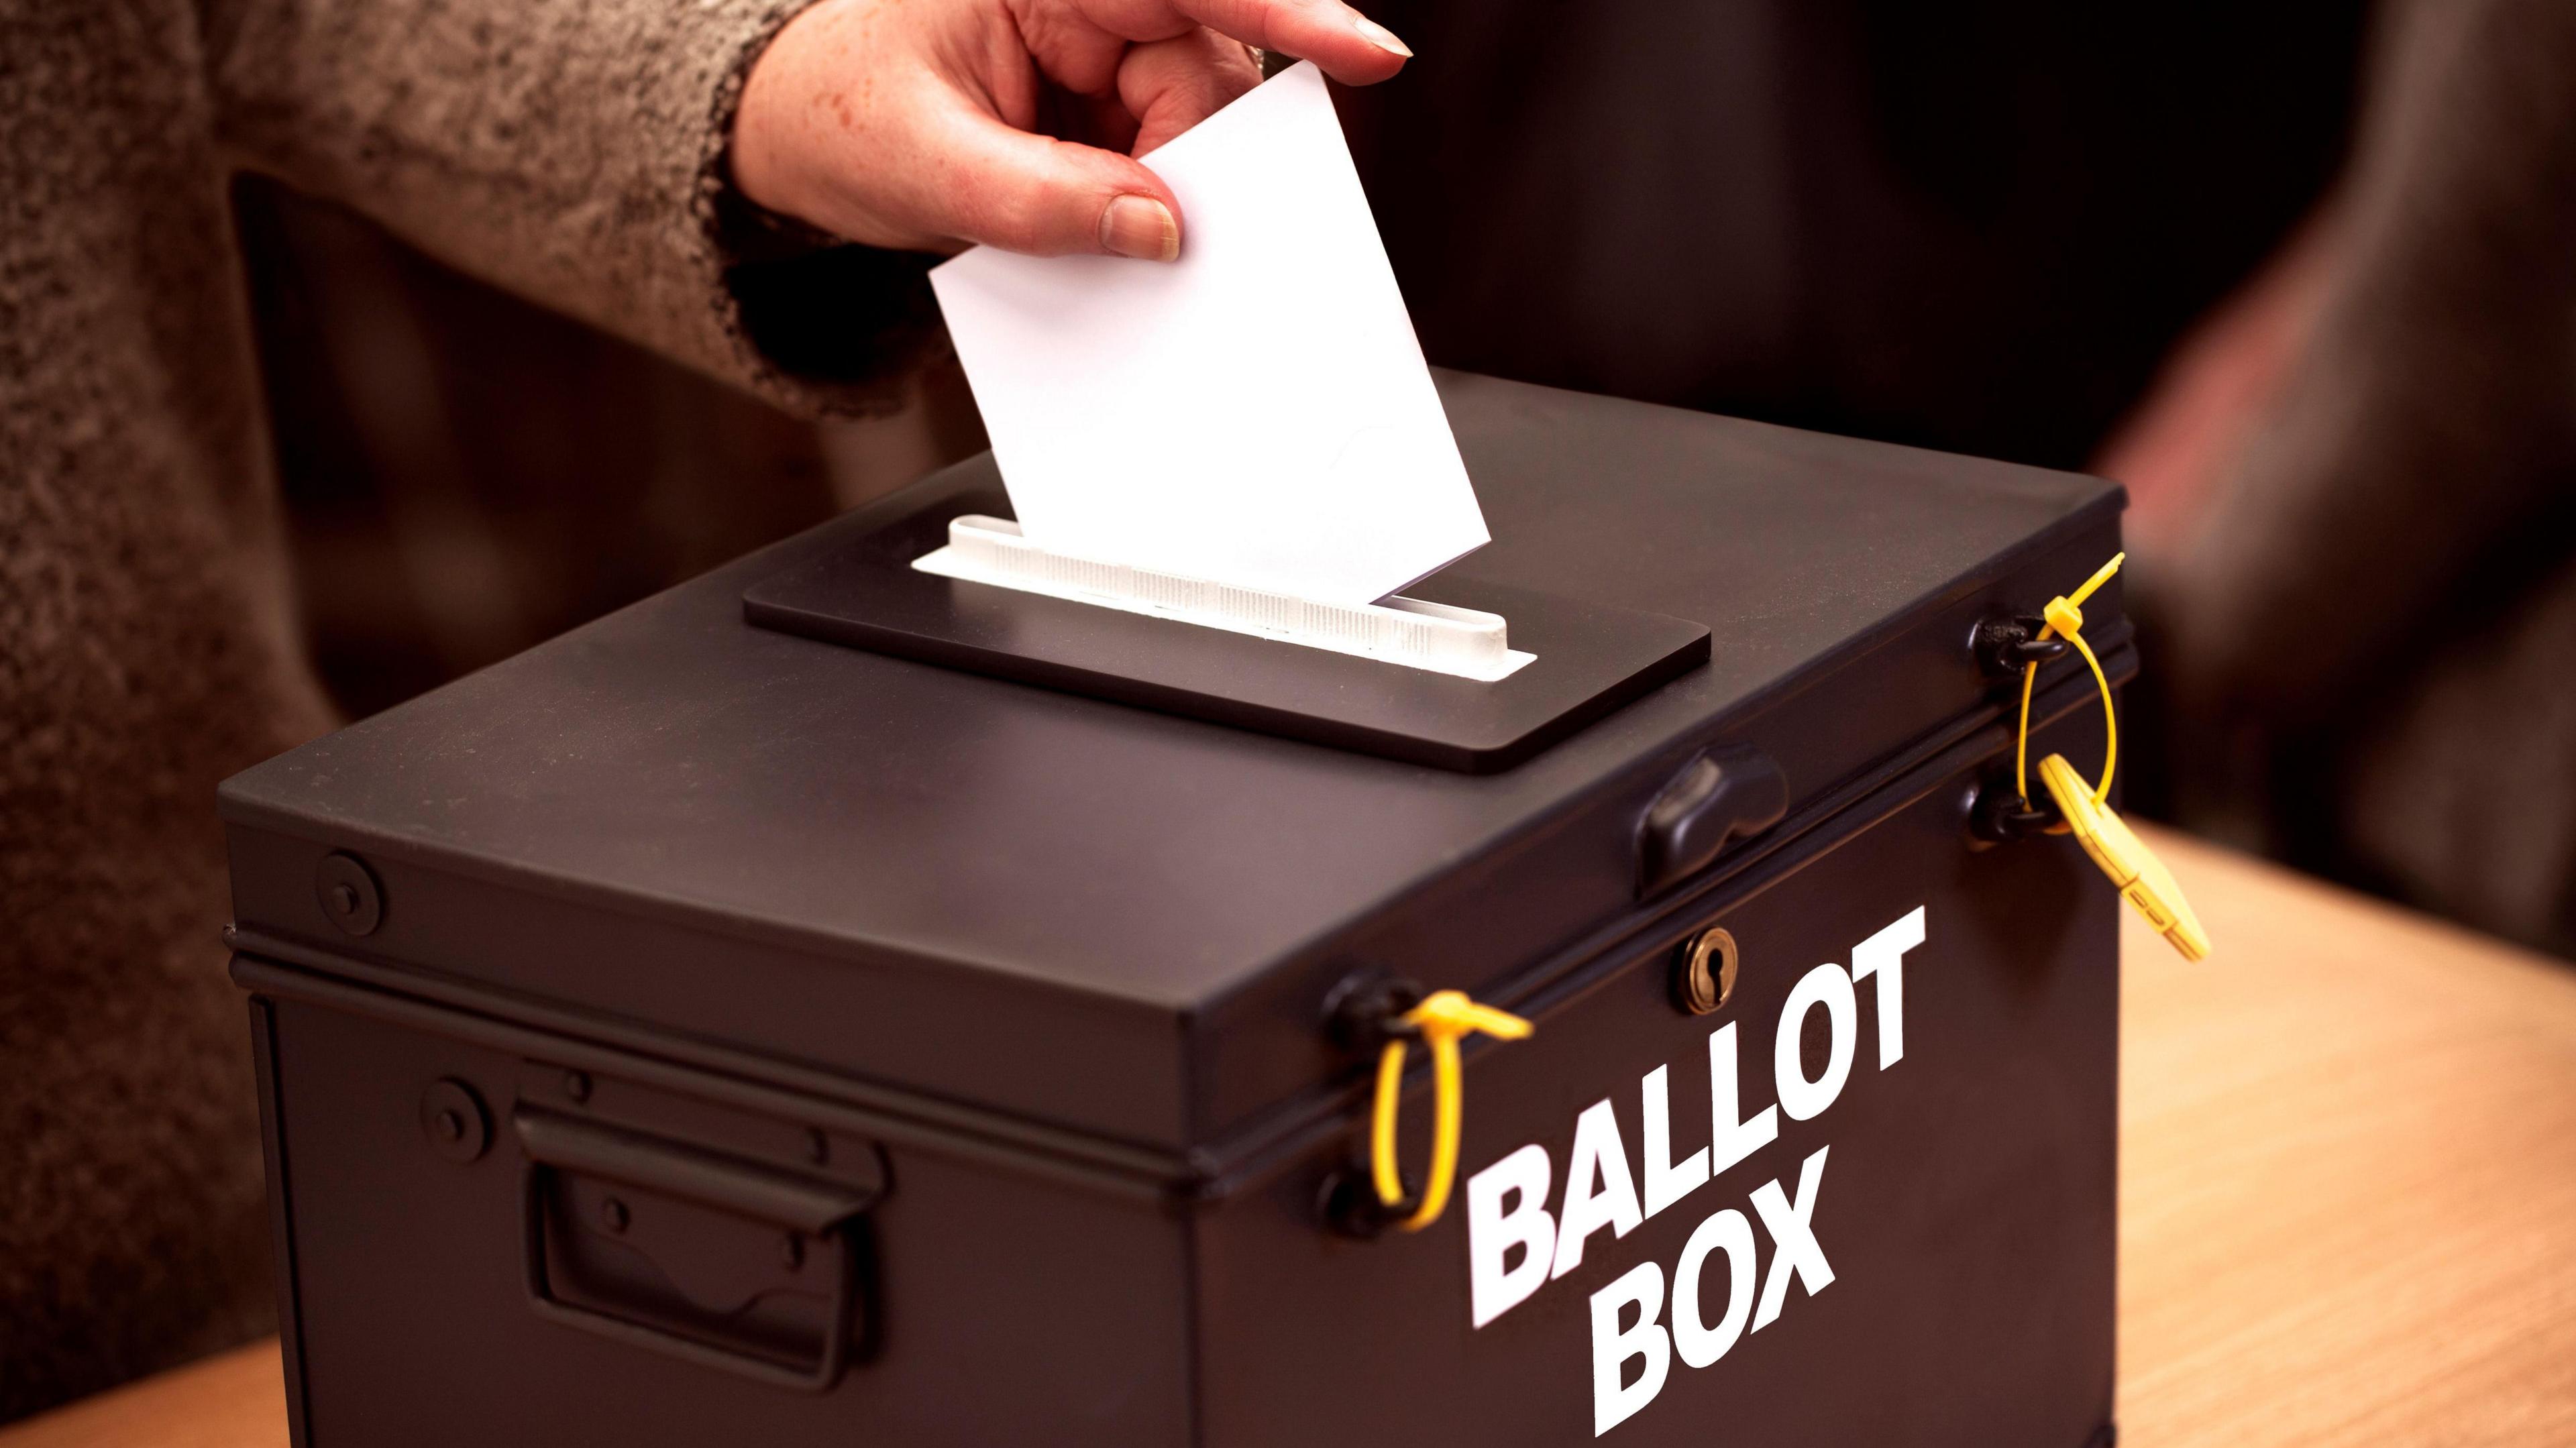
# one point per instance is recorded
(1350, 47)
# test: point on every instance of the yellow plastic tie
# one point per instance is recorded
(1442, 1018)
(2141, 878)
(2065, 616)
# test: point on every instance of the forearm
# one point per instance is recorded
(573, 153)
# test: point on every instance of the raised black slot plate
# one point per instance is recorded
(1590, 658)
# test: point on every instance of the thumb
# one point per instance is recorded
(1029, 193)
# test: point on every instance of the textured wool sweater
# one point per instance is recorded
(570, 150)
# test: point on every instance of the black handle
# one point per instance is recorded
(747, 1189)
(1720, 796)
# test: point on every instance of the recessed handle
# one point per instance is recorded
(760, 1196)
(1721, 796)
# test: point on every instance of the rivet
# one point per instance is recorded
(577, 1085)
(613, 1215)
(1704, 977)
(348, 894)
(453, 1122)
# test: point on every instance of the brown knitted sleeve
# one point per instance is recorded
(572, 151)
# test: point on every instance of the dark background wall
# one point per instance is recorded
(1976, 225)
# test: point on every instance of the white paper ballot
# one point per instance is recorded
(1255, 413)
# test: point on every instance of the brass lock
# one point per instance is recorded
(1704, 976)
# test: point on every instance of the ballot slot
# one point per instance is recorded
(1554, 664)
(1409, 632)
(1157, 555)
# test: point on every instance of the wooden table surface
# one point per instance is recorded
(2347, 1193)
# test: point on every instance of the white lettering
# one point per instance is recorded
(1883, 955)
(1793, 1237)
(1515, 1245)
(1827, 986)
(1667, 1181)
(1599, 1157)
(1494, 1229)
(1643, 1285)
(1699, 1344)
(1735, 1139)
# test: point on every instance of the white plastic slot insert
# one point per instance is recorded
(1407, 631)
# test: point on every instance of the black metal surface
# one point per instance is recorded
(1117, 922)
(1590, 659)
(1967, 1211)
(1017, 1299)
(1967, 1205)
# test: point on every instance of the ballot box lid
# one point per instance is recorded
(1024, 910)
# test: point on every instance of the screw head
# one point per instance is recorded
(348, 894)
(1704, 976)
(453, 1121)
(613, 1215)
(577, 1085)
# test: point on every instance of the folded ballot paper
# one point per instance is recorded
(1255, 414)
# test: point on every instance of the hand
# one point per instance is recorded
(2217, 390)
(930, 124)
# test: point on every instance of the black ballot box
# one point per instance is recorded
(827, 1003)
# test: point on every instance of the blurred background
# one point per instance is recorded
(2299, 274)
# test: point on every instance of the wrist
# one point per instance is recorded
(775, 126)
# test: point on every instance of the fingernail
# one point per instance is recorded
(1140, 226)
(1381, 37)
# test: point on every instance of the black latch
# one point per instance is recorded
(1366, 1010)
(2006, 646)
(1721, 796)
(2000, 814)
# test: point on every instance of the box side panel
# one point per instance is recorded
(1491, 918)
(281, 1213)
(1961, 1193)
(1079, 1060)
(989, 1303)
